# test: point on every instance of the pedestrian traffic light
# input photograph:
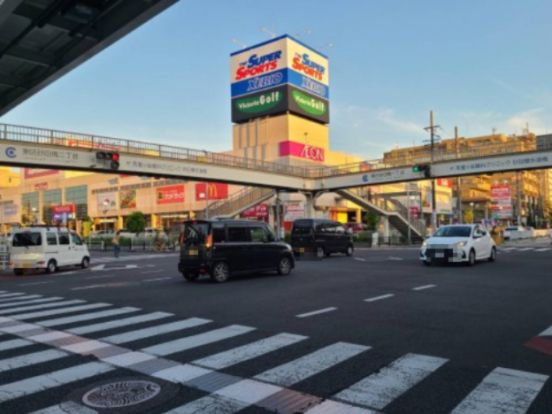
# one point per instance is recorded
(110, 159)
(422, 168)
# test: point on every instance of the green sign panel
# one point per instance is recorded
(309, 104)
(259, 103)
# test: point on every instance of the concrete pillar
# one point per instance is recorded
(386, 230)
(358, 213)
(309, 205)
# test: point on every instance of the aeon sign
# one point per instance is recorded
(297, 149)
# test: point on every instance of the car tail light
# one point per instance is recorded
(209, 241)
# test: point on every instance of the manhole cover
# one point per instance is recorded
(119, 394)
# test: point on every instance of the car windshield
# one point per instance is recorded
(453, 231)
(196, 231)
(302, 227)
(27, 239)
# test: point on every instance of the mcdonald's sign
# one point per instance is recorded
(216, 191)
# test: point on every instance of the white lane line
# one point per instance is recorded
(81, 330)
(380, 389)
(316, 312)
(35, 283)
(20, 298)
(381, 297)
(30, 359)
(100, 277)
(546, 332)
(11, 295)
(311, 364)
(65, 408)
(104, 285)
(248, 392)
(359, 259)
(87, 316)
(525, 249)
(69, 309)
(128, 358)
(395, 259)
(53, 379)
(544, 249)
(194, 341)
(33, 307)
(99, 267)
(155, 330)
(29, 302)
(424, 287)
(157, 279)
(503, 391)
(508, 249)
(249, 351)
(336, 407)
(152, 272)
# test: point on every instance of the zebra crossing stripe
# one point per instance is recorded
(20, 298)
(525, 249)
(14, 344)
(546, 332)
(249, 351)
(65, 408)
(28, 302)
(30, 359)
(53, 379)
(210, 404)
(503, 391)
(87, 316)
(194, 341)
(379, 389)
(311, 364)
(544, 249)
(68, 309)
(335, 407)
(155, 330)
(10, 295)
(103, 326)
(33, 307)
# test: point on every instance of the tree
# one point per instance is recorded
(372, 220)
(136, 222)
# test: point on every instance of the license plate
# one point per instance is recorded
(301, 250)
(439, 255)
(193, 252)
(28, 265)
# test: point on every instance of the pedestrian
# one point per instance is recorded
(116, 244)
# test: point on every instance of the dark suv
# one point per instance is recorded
(224, 247)
(321, 237)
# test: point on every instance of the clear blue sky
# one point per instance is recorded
(478, 64)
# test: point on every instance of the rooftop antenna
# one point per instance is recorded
(268, 32)
(239, 43)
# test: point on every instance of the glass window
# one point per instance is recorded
(340, 230)
(63, 239)
(76, 239)
(259, 234)
(239, 234)
(27, 239)
(219, 235)
(453, 231)
(51, 239)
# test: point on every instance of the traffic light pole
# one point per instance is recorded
(432, 127)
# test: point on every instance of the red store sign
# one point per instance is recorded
(67, 209)
(296, 149)
(170, 194)
(217, 191)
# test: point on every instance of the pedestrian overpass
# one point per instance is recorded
(22, 146)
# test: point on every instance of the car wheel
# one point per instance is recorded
(85, 262)
(51, 267)
(471, 258)
(492, 257)
(350, 250)
(321, 252)
(220, 272)
(426, 262)
(190, 276)
(18, 272)
(284, 266)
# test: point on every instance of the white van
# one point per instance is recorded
(47, 248)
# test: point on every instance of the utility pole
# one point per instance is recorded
(432, 136)
(458, 180)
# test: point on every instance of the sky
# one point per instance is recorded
(478, 64)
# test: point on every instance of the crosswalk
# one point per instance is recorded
(537, 249)
(40, 337)
(134, 256)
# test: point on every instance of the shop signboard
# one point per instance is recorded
(65, 212)
(259, 212)
(501, 201)
(270, 102)
(300, 150)
(294, 211)
(308, 105)
(128, 199)
(106, 201)
(215, 191)
(170, 194)
(29, 173)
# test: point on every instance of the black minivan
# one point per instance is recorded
(321, 237)
(224, 247)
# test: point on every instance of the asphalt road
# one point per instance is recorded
(377, 332)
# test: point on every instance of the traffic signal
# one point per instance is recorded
(110, 159)
(422, 168)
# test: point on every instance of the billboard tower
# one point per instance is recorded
(285, 83)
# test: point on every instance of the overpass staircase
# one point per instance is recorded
(238, 202)
(395, 211)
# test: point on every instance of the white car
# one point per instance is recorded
(514, 232)
(47, 248)
(459, 243)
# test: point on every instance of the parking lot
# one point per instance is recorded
(376, 332)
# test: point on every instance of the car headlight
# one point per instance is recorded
(424, 244)
(461, 244)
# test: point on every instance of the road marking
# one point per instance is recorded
(248, 392)
(20, 298)
(508, 249)
(210, 404)
(546, 332)
(316, 312)
(28, 302)
(10, 295)
(128, 358)
(395, 258)
(503, 391)
(249, 351)
(70, 309)
(51, 379)
(152, 272)
(30, 359)
(424, 287)
(35, 283)
(359, 259)
(119, 322)
(336, 407)
(33, 307)
(311, 364)
(194, 341)
(544, 249)
(14, 344)
(525, 249)
(157, 279)
(65, 408)
(99, 277)
(379, 389)
(99, 267)
(87, 316)
(155, 330)
(381, 297)
(103, 285)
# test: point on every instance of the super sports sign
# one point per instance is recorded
(257, 65)
(304, 64)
